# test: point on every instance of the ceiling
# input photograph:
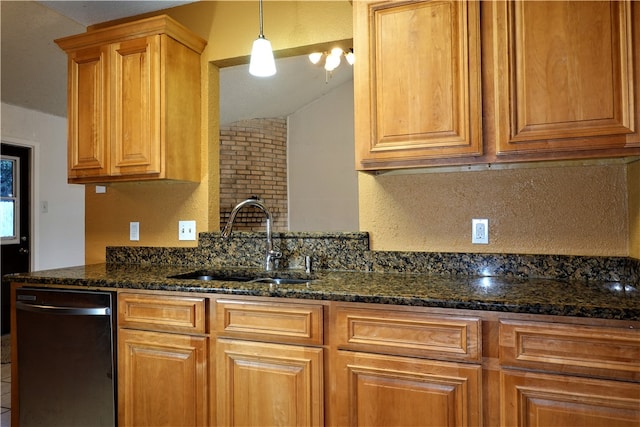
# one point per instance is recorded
(34, 70)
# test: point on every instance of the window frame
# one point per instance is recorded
(15, 197)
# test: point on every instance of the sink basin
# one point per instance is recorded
(280, 280)
(198, 275)
(253, 277)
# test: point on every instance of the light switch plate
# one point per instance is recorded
(186, 230)
(134, 231)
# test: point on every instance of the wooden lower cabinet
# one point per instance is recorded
(536, 399)
(162, 379)
(195, 360)
(383, 390)
(555, 373)
(266, 384)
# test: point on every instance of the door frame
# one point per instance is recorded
(34, 192)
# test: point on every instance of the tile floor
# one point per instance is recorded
(5, 388)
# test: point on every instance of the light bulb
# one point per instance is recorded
(351, 58)
(336, 51)
(262, 63)
(332, 62)
(315, 57)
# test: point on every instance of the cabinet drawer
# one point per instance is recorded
(162, 313)
(538, 399)
(597, 351)
(409, 334)
(274, 322)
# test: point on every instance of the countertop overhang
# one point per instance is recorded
(605, 300)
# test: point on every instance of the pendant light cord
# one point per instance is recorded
(261, 35)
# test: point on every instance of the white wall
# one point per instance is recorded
(58, 235)
(323, 183)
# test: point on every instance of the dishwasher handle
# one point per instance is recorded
(69, 311)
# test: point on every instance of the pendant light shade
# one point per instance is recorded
(262, 63)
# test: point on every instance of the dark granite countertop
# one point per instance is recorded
(606, 300)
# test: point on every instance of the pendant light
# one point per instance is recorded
(262, 63)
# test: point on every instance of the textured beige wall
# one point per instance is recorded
(579, 210)
(156, 206)
(633, 183)
(230, 28)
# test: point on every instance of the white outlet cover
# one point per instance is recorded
(480, 231)
(186, 230)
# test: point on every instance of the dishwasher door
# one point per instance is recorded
(66, 358)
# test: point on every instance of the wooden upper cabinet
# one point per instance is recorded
(86, 103)
(134, 102)
(417, 82)
(564, 78)
(135, 106)
(440, 83)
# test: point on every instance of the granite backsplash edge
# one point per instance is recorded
(350, 252)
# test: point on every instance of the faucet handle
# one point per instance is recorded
(272, 257)
(275, 254)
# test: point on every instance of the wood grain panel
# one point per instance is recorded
(592, 350)
(135, 107)
(567, 76)
(261, 384)
(287, 323)
(162, 379)
(162, 313)
(411, 334)
(88, 153)
(381, 390)
(532, 399)
(417, 81)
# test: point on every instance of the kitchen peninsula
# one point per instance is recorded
(472, 339)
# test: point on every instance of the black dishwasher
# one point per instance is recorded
(66, 357)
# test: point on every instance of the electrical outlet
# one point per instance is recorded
(134, 231)
(480, 231)
(186, 230)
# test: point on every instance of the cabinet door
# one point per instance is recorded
(381, 390)
(417, 82)
(135, 107)
(261, 384)
(88, 151)
(162, 379)
(532, 399)
(564, 76)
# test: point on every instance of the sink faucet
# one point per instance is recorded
(271, 253)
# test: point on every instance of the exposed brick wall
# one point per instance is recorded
(253, 161)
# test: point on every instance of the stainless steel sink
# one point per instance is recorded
(252, 277)
(203, 275)
(280, 280)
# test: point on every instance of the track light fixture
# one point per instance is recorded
(333, 58)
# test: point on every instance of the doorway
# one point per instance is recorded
(15, 218)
